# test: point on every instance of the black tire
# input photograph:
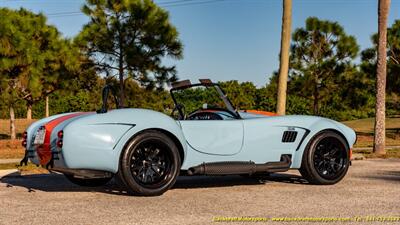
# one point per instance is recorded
(325, 159)
(87, 182)
(149, 164)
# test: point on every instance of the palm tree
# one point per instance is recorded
(284, 56)
(379, 138)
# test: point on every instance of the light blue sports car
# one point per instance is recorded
(205, 135)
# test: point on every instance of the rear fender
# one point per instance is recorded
(31, 131)
(96, 141)
(166, 125)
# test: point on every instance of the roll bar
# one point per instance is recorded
(105, 93)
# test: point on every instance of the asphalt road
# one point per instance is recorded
(372, 188)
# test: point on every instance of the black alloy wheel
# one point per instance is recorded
(325, 159)
(330, 158)
(149, 164)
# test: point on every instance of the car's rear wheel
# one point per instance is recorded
(88, 182)
(149, 164)
(325, 159)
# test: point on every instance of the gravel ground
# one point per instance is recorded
(372, 188)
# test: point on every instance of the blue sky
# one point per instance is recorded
(232, 39)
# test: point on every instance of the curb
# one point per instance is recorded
(9, 173)
(370, 148)
(357, 157)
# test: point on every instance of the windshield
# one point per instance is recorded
(198, 97)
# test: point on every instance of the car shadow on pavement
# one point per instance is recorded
(58, 183)
(385, 175)
(185, 182)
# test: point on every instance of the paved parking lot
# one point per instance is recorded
(372, 188)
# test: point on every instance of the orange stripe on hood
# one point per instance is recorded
(44, 151)
(265, 113)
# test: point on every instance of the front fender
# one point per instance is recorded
(318, 126)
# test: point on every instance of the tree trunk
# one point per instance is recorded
(121, 70)
(28, 110)
(13, 134)
(121, 89)
(316, 105)
(316, 97)
(47, 106)
(284, 56)
(379, 137)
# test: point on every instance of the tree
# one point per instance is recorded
(8, 96)
(379, 137)
(369, 65)
(63, 64)
(321, 51)
(11, 63)
(284, 56)
(20, 58)
(35, 59)
(393, 42)
(242, 95)
(369, 59)
(130, 39)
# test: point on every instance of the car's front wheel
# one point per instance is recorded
(149, 164)
(325, 159)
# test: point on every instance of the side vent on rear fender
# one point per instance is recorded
(289, 136)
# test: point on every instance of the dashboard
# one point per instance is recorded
(210, 115)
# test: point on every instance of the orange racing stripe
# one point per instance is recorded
(44, 150)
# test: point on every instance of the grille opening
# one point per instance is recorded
(289, 136)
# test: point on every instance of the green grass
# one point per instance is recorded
(11, 149)
(20, 126)
(367, 125)
(16, 166)
(8, 166)
(390, 153)
(28, 169)
(365, 131)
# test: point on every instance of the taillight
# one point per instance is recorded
(59, 143)
(24, 139)
(60, 136)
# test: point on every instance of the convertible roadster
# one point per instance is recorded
(146, 150)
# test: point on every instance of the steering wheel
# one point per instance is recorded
(231, 114)
(204, 115)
